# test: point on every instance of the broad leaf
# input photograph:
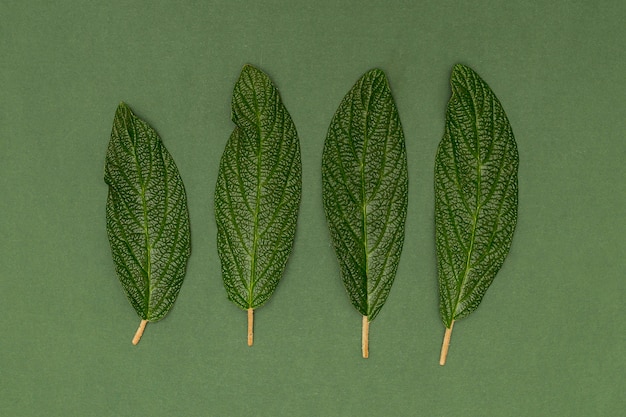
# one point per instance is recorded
(258, 192)
(147, 217)
(365, 180)
(475, 195)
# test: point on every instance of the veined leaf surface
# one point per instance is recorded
(258, 192)
(475, 195)
(365, 181)
(147, 216)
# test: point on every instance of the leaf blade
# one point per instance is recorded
(365, 182)
(258, 191)
(147, 216)
(475, 194)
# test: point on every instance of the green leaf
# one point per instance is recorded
(258, 191)
(475, 194)
(365, 180)
(147, 217)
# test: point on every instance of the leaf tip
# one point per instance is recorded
(252, 70)
(248, 67)
(376, 73)
(459, 67)
(123, 110)
(459, 71)
(123, 106)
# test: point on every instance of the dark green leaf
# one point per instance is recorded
(365, 180)
(475, 194)
(147, 217)
(258, 191)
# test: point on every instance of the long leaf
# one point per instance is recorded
(147, 217)
(258, 193)
(475, 196)
(365, 180)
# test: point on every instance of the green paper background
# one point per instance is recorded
(547, 339)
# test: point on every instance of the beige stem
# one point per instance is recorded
(446, 344)
(139, 331)
(250, 326)
(365, 337)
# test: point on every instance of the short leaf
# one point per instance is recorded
(147, 217)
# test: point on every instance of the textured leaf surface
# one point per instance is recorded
(147, 217)
(475, 194)
(258, 191)
(365, 180)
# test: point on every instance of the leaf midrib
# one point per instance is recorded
(142, 182)
(366, 251)
(364, 197)
(255, 242)
(166, 188)
(470, 249)
(146, 217)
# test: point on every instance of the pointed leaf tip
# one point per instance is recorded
(459, 67)
(248, 67)
(377, 72)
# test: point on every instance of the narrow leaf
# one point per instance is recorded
(365, 180)
(258, 192)
(147, 217)
(475, 195)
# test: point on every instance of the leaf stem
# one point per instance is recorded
(365, 337)
(139, 331)
(446, 344)
(250, 326)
